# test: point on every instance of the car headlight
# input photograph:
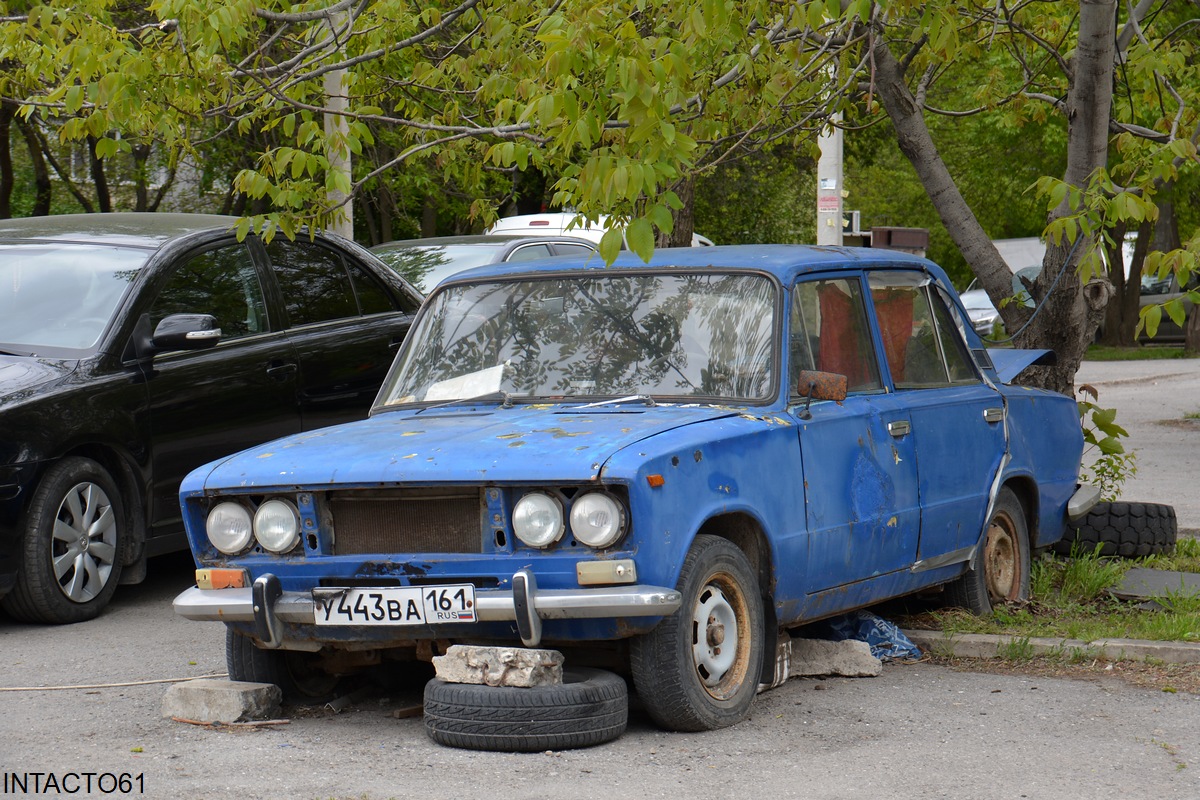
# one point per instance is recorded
(277, 525)
(538, 520)
(597, 519)
(228, 527)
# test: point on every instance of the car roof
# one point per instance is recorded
(477, 239)
(131, 229)
(785, 261)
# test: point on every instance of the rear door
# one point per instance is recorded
(346, 323)
(957, 419)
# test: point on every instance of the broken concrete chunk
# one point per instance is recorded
(499, 666)
(850, 658)
(217, 700)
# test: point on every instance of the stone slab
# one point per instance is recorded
(499, 666)
(983, 645)
(217, 700)
(1150, 584)
(850, 658)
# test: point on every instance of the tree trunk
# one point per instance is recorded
(43, 188)
(684, 218)
(7, 110)
(141, 154)
(103, 198)
(916, 143)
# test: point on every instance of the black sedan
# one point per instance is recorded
(427, 262)
(136, 347)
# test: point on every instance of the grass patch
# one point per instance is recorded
(1070, 600)
(1101, 352)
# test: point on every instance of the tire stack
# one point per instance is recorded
(1127, 530)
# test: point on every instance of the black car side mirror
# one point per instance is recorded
(186, 332)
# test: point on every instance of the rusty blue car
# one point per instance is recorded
(657, 467)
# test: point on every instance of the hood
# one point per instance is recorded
(19, 375)
(1011, 362)
(525, 443)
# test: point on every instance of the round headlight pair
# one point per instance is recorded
(276, 526)
(597, 519)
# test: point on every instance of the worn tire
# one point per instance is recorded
(589, 707)
(73, 545)
(297, 674)
(999, 572)
(682, 669)
(1129, 530)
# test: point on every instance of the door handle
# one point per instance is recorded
(993, 414)
(281, 371)
(900, 427)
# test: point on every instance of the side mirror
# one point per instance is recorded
(813, 383)
(186, 332)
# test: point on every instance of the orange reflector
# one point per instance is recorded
(220, 578)
(655, 481)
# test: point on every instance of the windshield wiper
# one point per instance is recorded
(498, 394)
(633, 398)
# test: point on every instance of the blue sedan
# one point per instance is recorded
(662, 465)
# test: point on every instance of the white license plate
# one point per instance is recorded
(395, 605)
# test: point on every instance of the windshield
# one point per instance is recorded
(668, 335)
(61, 295)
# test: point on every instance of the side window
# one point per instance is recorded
(572, 250)
(314, 282)
(921, 342)
(222, 282)
(829, 333)
(372, 299)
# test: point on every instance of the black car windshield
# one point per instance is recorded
(61, 296)
(704, 335)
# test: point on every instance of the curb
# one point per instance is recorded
(983, 645)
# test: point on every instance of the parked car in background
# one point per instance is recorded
(134, 347)
(563, 222)
(660, 467)
(1157, 290)
(1024, 257)
(427, 262)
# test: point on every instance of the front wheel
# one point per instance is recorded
(999, 572)
(699, 668)
(72, 550)
(298, 675)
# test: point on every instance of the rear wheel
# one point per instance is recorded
(298, 675)
(999, 572)
(699, 668)
(73, 545)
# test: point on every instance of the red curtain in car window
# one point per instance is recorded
(840, 348)
(894, 309)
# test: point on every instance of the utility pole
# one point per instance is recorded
(829, 185)
(336, 130)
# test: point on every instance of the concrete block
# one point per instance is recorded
(849, 658)
(499, 666)
(216, 700)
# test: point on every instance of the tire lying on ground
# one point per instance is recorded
(1129, 530)
(589, 707)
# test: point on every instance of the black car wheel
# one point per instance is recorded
(298, 675)
(1128, 530)
(699, 668)
(999, 572)
(72, 550)
(590, 707)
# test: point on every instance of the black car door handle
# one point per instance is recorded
(281, 371)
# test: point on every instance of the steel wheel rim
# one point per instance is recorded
(83, 543)
(720, 653)
(1002, 566)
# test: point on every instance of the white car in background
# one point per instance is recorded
(558, 223)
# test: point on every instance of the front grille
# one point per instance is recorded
(407, 521)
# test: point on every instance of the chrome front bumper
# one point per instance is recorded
(1085, 497)
(266, 605)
